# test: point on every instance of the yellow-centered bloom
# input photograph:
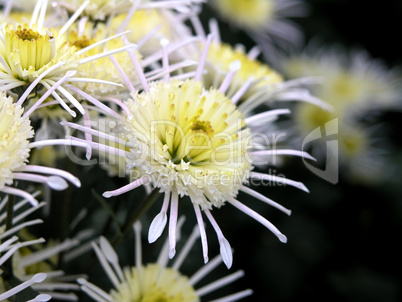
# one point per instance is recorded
(350, 82)
(189, 139)
(153, 283)
(33, 57)
(28, 52)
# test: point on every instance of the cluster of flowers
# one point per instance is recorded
(359, 88)
(161, 103)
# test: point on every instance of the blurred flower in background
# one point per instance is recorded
(358, 88)
(268, 22)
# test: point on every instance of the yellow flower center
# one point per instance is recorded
(154, 284)
(311, 117)
(345, 87)
(202, 127)
(28, 47)
(27, 34)
(82, 42)
(352, 142)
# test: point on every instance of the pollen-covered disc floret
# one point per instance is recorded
(188, 139)
(29, 51)
(14, 135)
(154, 283)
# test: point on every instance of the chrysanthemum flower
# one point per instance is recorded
(33, 57)
(356, 86)
(104, 69)
(266, 21)
(350, 82)
(189, 141)
(155, 281)
(362, 154)
(15, 146)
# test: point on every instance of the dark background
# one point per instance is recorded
(343, 240)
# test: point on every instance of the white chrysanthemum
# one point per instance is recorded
(33, 57)
(359, 157)
(355, 85)
(266, 21)
(155, 281)
(362, 156)
(189, 141)
(28, 51)
(350, 82)
(102, 69)
(15, 133)
(197, 138)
